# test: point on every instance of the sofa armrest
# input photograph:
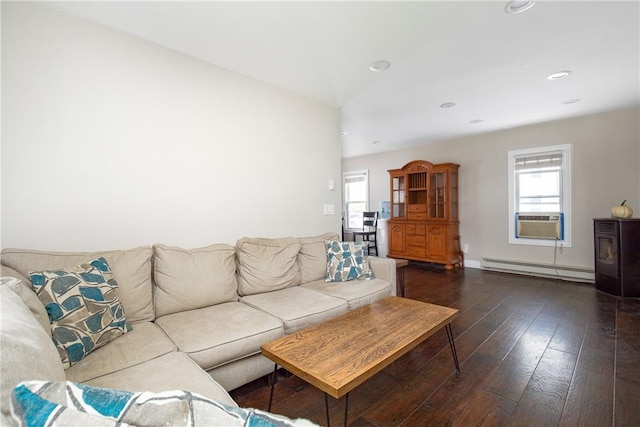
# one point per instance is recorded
(384, 269)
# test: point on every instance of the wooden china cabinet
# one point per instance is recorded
(424, 220)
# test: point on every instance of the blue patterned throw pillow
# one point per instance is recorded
(49, 404)
(83, 306)
(347, 261)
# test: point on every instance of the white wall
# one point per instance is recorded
(109, 141)
(606, 170)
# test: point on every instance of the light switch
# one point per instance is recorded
(329, 209)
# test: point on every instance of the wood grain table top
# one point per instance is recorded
(338, 355)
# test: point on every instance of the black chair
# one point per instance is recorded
(369, 231)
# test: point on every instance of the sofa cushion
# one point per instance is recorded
(312, 258)
(266, 265)
(23, 288)
(67, 403)
(171, 371)
(219, 334)
(297, 307)
(27, 350)
(144, 342)
(131, 268)
(196, 278)
(357, 293)
(83, 306)
(242, 371)
(347, 261)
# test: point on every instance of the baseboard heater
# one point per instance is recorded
(564, 272)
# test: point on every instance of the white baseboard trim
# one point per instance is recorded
(563, 272)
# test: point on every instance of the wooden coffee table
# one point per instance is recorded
(338, 355)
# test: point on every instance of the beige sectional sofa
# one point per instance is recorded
(198, 316)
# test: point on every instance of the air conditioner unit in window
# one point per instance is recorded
(540, 226)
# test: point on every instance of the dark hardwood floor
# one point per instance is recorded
(533, 352)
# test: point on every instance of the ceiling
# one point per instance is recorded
(492, 65)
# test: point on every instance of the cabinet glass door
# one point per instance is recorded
(437, 195)
(454, 195)
(398, 197)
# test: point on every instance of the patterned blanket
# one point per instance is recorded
(40, 403)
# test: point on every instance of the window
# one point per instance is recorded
(540, 182)
(356, 192)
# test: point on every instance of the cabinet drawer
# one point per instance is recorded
(417, 215)
(416, 241)
(417, 208)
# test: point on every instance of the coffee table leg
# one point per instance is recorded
(346, 409)
(273, 384)
(326, 407)
(453, 347)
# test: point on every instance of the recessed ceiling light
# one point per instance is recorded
(448, 105)
(343, 132)
(380, 65)
(559, 75)
(518, 6)
(474, 121)
(571, 101)
(376, 142)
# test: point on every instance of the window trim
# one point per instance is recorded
(566, 150)
(364, 172)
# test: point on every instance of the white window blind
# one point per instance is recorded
(539, 162)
